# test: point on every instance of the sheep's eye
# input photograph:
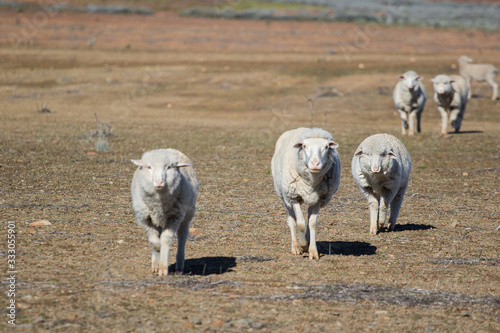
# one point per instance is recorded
(150, 167)
(326, 147)
(304, 146)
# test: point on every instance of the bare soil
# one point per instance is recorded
(222, 92)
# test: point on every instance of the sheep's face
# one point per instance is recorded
(161, 173)
(376, 161)
(464, 60)
(442, 84)
(316, 152)
(410, 81)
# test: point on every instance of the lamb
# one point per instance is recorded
(381, 167)
(306, 169)
(409, 97)
(164, 192)
(450, 95)
(478, 72)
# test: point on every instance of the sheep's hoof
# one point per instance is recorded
(373, 231)
(154, 269)
(296, 250)
(163, 271)
(304, 248)
(313, 254)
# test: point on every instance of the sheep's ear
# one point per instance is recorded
(180, 165)
(358, 153)
(392, 155)
(451, 81)
(298, 144)
(332, 144)
(137, 162)
(433, 80)
(420, 78)
(401, 77)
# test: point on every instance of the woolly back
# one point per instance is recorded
(316, 133)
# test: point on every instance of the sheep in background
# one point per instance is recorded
(450, 95)
(478, 72)
(381, 166)
(164, 192)
(306, 169)
(409, 97)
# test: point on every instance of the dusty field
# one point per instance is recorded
(222, 94)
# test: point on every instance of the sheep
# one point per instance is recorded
(478, 72)
(164, 192)
(381, 166)
(409, 97)
(450, 95)
(305, 169)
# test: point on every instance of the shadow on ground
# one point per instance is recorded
(208, 265)
(346, 248)
(412, 226)
(466, 132)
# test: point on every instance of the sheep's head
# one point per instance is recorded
(410, 79)
(160, 170)
(442, 84)
(376, 159)
(316, 152)
(464, 60)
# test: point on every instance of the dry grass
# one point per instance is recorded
(89, 270)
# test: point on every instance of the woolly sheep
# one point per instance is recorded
(409, 97)
(306, 169)
(450, 95)
(381, 166)
(164, 192)
(478, 72)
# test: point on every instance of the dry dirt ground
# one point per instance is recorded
(222, 92)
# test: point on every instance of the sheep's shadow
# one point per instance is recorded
(207, 266)
(466, 132)
(412, 227)
(346, 248)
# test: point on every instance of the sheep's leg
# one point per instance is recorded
(373, 203)
(301, 226)
(419, 116)
(456, 118)
(293, 231)
(165, 242)
(444, 119)
(154, 240)
(382, 210)
(469, 92)
(411, 124)
(313, 218)
(395, 207)
(404, 121)
(182, 235)
(494, 86)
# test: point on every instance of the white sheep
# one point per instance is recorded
(450, 95)
(381, 166)
(409, 97)
(164, 192)
(478, 72)
(305, 169)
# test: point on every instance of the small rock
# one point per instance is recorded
(92, 153)
(465, 174)
(217, 323)
(121, 241)
(40, 223)
(380, 312)
(196, 321)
